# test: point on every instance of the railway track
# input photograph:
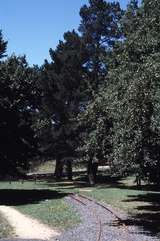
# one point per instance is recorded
(82, 200)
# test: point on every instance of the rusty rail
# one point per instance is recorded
(79, 197)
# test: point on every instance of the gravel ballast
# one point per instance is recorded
(89, 230)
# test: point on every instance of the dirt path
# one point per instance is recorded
(26, 227)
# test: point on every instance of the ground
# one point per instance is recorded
(5, 229)
(101, 223)
(26, 227)
(45, 200)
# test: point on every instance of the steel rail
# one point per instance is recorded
(99, 235)
(79, 197)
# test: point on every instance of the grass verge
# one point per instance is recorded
(44, 167)
(121, 195)
(44, 200)
(39, 201)
(55, 213)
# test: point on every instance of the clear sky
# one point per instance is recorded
(33, 26)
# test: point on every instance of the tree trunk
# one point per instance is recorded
(69, 169)
(58, 169)
(95, 169)
(92, 172)
(138, 180)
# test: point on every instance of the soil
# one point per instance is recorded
(26, 227)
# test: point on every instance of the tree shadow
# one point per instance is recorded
(144, 187)
(82, 182)
(147, 215)
(80, 179)
(109, 181)
(102, 178)
(66, 185)
(14, 197)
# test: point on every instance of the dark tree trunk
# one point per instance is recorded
(69, 169)
(58, 169)
(95, 169)
(92, 172)
(138, 180)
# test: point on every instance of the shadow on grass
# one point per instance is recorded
(15, 197)
(66, 185)
(147, 214)
(144, 187)
(82, 182)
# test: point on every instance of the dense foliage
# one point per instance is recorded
(17, 105)
(97, 100)
(130, 98)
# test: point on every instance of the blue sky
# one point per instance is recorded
(33, 26)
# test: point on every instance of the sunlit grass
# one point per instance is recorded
(53, 211)
(56, 212)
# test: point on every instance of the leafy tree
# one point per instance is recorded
(135, 84)
(96, 144)
(100, 28)
(17, 103)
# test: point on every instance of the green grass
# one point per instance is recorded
(141, 203)
(119, 195)
(49, 167)
(44, 167)
(55, 213)
(39, 201)
(44, 200)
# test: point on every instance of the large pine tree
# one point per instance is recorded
(64, 94)
(100, 29)
(3, 46)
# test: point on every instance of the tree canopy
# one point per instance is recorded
(97, 99)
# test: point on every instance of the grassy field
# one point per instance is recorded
(55, 213)
(141, 203)
(49, 167)
(44, 167)
(119, 193)
(39, 201)
(45, 200)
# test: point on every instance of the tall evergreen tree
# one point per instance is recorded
(64, 94)
(99, 28)
(3, 46)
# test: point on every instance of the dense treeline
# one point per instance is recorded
(96, 100)
(18, 100)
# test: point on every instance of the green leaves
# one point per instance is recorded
(17, 107)
(135, 141)
(122, 120)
